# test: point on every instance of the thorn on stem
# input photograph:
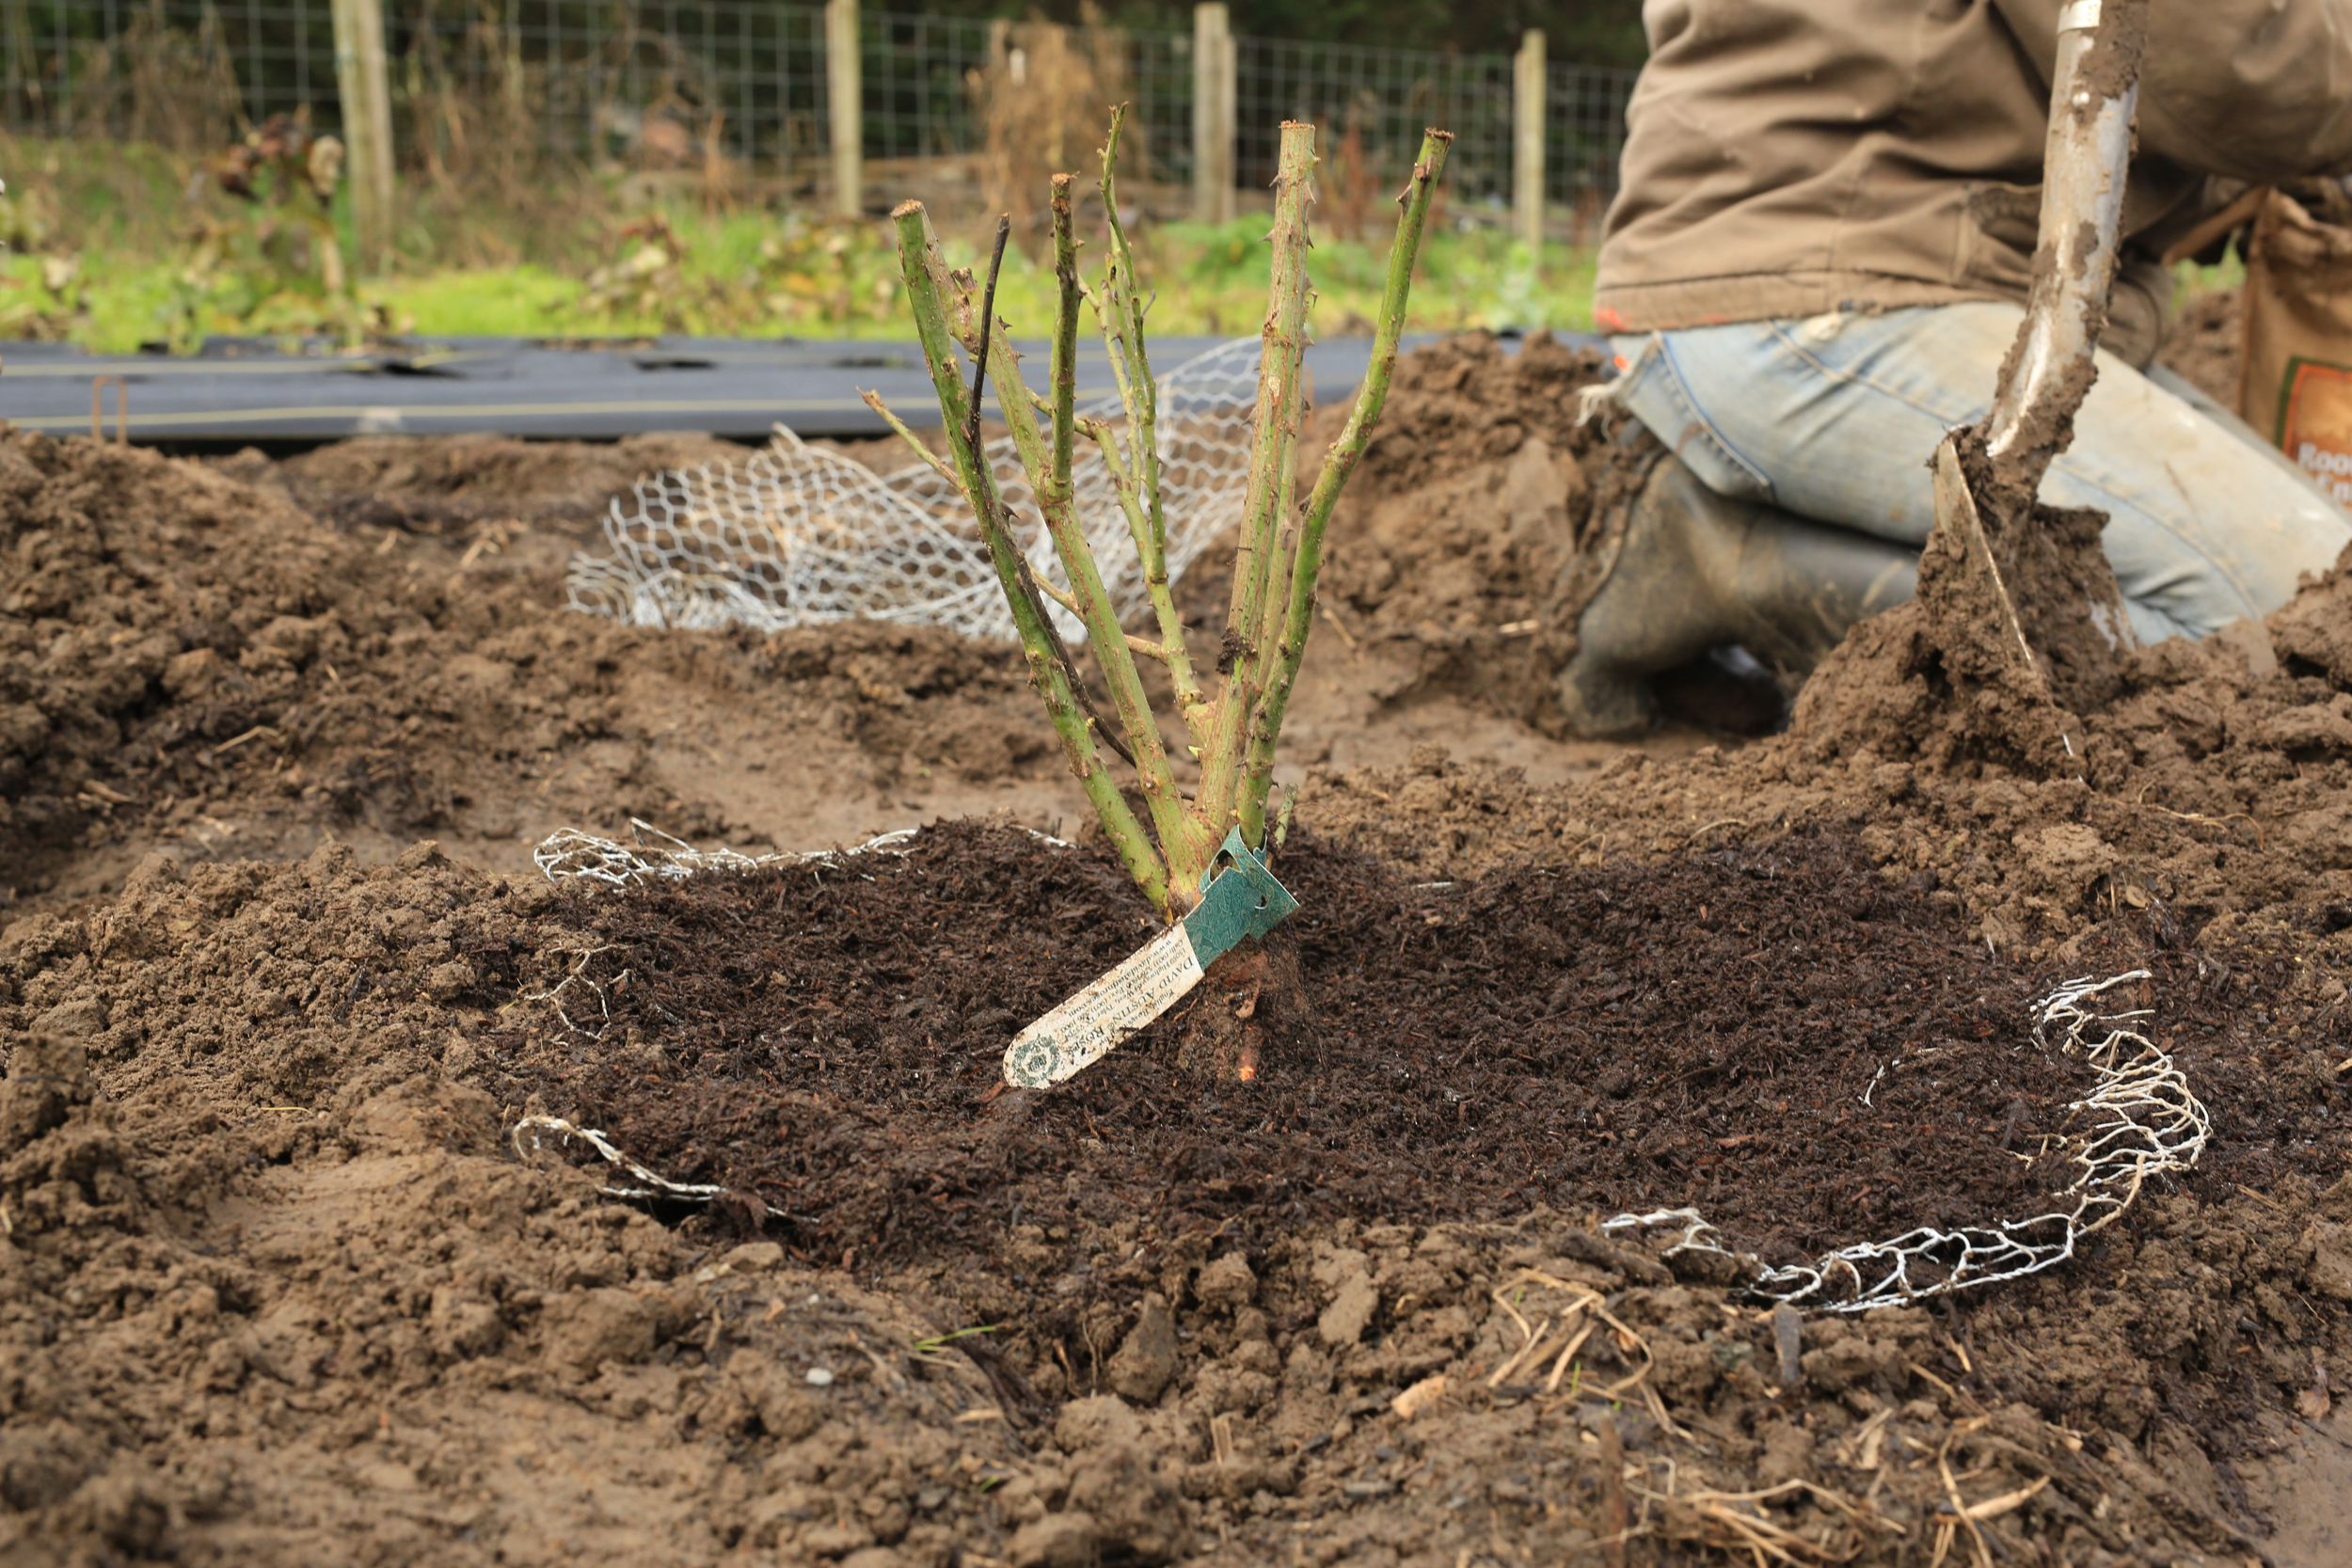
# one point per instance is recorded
(1231, 652)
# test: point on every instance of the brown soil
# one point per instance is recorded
(366, 643)
(456, 485)
(2211, 793)
(275, 1283)
(202, 666)
(278, 1283)
(1469, 509)
(1498, 1051)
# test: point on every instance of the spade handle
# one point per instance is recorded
(2093, 92)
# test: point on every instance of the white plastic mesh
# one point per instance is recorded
(2139, 1120)
(799, 536)
(569, 855)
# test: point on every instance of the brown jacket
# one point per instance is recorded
(1793, 157)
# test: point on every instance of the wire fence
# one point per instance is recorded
(676, 82)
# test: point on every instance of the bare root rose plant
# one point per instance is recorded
(1233, 730)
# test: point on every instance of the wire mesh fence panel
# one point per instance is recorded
(1583, 128)
(1583, 135)
(1372, 105)
(800, 535)
(657, 84)
(1159, 73)
(667, 84)
(918, 77)
(179, 73)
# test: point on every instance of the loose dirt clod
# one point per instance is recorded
(192, 662)
(1482, 495)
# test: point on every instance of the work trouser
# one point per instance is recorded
(1835, 417)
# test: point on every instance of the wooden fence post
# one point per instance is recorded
(361, 83)
(1214, 63)
(845, 94)
(1527, 139)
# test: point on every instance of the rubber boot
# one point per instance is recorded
(1696, 571)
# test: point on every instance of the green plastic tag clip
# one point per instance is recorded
(1239, 898)
(1243, 901)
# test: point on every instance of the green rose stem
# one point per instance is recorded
(1280, 554)
(1285, 643)
(926, 285)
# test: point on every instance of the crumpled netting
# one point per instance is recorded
(569, 855)
(2140, 1120)
(799, 536)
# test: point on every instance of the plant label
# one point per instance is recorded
(1240, 901)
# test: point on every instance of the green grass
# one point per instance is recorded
(525, 301)
(1210, 280)
(2189, 279)
(834, 280)
(591, 259)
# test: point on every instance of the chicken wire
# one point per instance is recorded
(798, 536)
(569, 855)
(2140, 1120)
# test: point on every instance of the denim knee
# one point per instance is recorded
(1653, 391)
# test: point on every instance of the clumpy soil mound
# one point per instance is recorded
(273, 1290)
(458, 484)
(2211, 793)
(1454, 542)
(1947, 678)
(2245, 737)
(369, 643)
(275, 1286)
(194, 663)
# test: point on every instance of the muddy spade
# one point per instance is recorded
(2057, 627)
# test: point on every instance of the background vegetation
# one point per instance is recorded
(1605, 31)
(116, 245)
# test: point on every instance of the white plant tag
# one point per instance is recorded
(1085, 1029)
(1239, 902)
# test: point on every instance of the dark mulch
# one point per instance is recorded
(1703, 1031)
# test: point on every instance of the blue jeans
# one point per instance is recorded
(1835, 419)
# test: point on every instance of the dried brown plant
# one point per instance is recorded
(159, 83)
(1040, 100)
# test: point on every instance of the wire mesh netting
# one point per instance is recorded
(679, 82)
(568, 855)
(1583, 133)
(2140, 1120)
(1378, 101)
(801, 535)
(655, 83)
(175, 72)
